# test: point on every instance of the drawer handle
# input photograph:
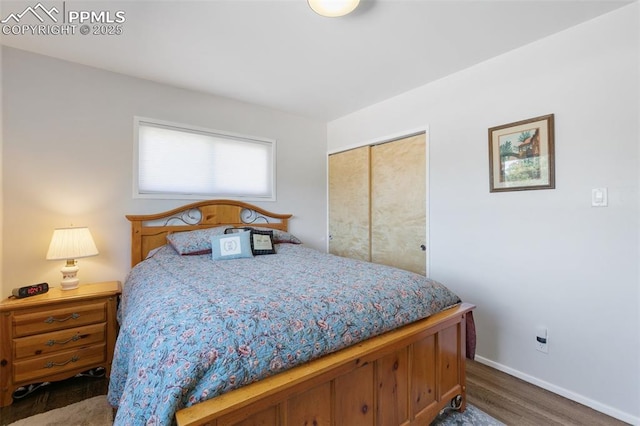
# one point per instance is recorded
(61, 364)
(64, 342)
(50, 320)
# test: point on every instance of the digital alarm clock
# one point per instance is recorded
(30, 290)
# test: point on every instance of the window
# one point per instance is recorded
(180, 161)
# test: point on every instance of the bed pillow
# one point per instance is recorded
(262, 242)
(261, 239)
(231, 246)
(233, 230)
(282, 237)
(194, 242)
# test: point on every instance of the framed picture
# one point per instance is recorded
(521, 155)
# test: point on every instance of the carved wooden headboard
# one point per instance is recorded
(150, 231)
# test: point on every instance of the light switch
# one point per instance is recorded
(599, 197)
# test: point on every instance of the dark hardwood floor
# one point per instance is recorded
(516, 402)
(52, 396)
(508, 399)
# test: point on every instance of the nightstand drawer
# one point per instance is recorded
(43, 344)
(49, 365)
(66, 316)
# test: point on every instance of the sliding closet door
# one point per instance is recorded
(349, 203)
(398, 203)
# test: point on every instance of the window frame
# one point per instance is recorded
(137, 120)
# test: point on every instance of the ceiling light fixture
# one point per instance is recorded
(333, 8)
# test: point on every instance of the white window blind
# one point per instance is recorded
(179, 161)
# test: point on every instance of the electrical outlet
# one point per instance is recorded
(542, 347)
(542, 340)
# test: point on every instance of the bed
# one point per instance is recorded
(289, 336)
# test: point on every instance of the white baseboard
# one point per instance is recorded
(598, 406)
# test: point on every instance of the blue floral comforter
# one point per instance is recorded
(193, 328)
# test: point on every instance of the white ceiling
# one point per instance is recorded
(282, 55)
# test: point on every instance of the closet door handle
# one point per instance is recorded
(423, 247)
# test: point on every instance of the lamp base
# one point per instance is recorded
(69, 272)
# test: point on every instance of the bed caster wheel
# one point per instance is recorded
(456, 402)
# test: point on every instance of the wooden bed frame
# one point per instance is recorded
(403, 377)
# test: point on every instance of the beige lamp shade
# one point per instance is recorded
(70, 244)
(333, 8)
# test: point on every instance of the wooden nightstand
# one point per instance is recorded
(56, 335)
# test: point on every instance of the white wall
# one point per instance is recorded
(544, 257)
(68, 135)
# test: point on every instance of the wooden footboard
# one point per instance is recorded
(403, 377)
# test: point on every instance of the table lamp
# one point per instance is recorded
(70, 244)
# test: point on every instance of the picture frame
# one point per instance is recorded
(522, 155)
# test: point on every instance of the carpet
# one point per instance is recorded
(94, 411)
(472, 416)
(97, 412)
